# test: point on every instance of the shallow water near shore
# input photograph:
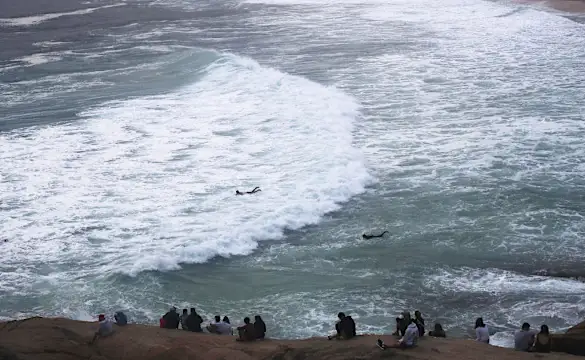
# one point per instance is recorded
(456, 126)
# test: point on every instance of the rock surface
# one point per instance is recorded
(572, 342)
(51, 339)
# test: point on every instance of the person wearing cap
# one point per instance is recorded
(105, 328)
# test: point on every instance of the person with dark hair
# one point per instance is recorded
(226, 320)
(399, 328)
(121, 319)
(420, 323)
(344, 328)
(171, 319)
(481, 331)
(542, 342)
(438, 331)
(194, 321)
(524, 338)
(259, 327)
(366, 236)
(254, 191)
(246, 332)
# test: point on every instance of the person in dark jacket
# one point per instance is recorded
(420, 323)
(438, 332)
(171, 319)
(542, 342)
(345, 327)
(120, 318)
(259, 327)
(194, 321)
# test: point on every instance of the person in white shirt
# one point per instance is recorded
(220, 327)
(481, 331)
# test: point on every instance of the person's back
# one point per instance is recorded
(105, 328)
(482, 333)
(542, 343)
(438, 331)
(171, 319)
(223, 328)
(411, 335)
(348, 327)
(524, 338)
(194, 321)
(120, 318)
(259, 327)
(246, 332)
(184, 317)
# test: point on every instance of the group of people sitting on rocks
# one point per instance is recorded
(192, 322)
(408, 328)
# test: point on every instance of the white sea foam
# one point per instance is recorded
(38, 59)
(154, 178)
(37, 19)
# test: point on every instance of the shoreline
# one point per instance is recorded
(59, 338)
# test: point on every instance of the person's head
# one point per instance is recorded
(246, 320)
(184, 311)
(438, 327)
(341, 315)
(173, 309)
(226, 320)
(479, 323)
(412, 321)
(101, 317)
(544, 329)
(217, 318)
(417, 314)
(258, 318)
(526, 326)
(193, 311)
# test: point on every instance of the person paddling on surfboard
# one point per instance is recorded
(366, 236)
(255, 190)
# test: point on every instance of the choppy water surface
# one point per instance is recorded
(456, 126)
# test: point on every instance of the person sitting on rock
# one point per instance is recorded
(219, 327)
(524, 338)
(259, 327)
(345, 327)
(171, 319)
(246, 332)
(183, 319)
(194, 321)
(399, 331)
(121, 319)
(481, 331)
(542, 342)
(105, 328)
(420, 323)
(438, 332)
(409, 339)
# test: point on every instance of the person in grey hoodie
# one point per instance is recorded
(409, 339)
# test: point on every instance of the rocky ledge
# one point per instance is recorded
(48, 339)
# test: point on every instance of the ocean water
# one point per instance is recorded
(456, 125)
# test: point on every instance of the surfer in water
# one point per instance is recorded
(366, 236)
(255, 190)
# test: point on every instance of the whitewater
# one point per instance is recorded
(456, 126)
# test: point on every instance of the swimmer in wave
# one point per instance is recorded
(255, 190)
(366, 236)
